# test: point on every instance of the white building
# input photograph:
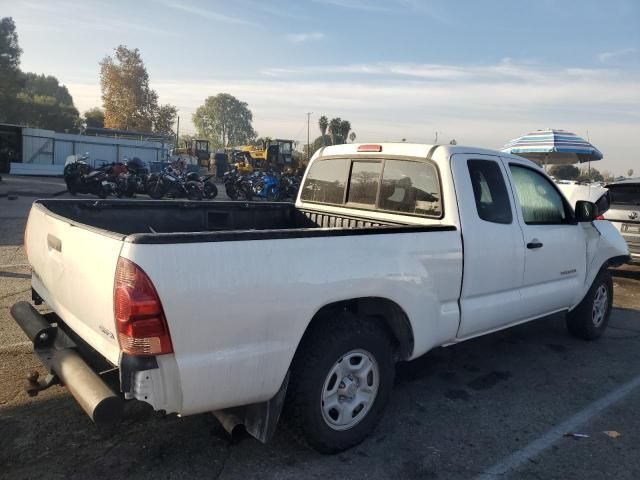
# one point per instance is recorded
(43, 152)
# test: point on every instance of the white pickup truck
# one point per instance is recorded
(245, 309)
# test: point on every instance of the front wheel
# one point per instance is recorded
(341, 380)
(590, 318)
(155, 188)
(210, 190)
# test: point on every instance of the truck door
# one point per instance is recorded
(492, 241)
(555, 245)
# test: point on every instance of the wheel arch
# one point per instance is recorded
(390, 316)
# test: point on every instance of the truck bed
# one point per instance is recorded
(185, 222)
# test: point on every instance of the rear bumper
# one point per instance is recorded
(60, 355)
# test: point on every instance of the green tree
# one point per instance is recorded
(565, 172)
(630, 172)
(164, 119)
(345, 128)
(94, 118)
(323, 124)
(129, 102)
(590, 175)
(352, 137)
(10, 76)
(44, 103)
(334, 129)
(225, 121)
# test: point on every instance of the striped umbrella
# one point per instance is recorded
(556, 147)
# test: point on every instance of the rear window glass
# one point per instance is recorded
(625, 194)
(363, 186)
(490, 191)
(326, 181)
(410, 187)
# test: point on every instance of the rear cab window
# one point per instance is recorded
(628, 195)
(490, 191)
(408, 187)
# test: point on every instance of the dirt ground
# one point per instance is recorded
(457, 413)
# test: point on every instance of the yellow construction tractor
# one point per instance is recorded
(271, 154)
(198, 149)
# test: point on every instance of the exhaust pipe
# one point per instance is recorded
(55, 350)
(102, 405)
(231, 423)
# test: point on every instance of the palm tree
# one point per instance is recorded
(352, 137)
(345, 127)
(334, 129)
(323, 123)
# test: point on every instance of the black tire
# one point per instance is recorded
(232, 193)
(590, 318)
(194, 190)
(210, 190)
(155, 188)
(322, 350)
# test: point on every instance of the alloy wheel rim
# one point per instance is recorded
(350, 390)
(600, 304)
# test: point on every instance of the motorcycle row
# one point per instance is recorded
(268, 185)
(131, 177)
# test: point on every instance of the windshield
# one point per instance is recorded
(625, 194)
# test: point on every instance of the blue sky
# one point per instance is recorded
(481, 72)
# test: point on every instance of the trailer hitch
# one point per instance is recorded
(35, 384)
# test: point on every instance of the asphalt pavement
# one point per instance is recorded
(495, 407)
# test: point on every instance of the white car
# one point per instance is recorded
(240, 308)
(624, 213)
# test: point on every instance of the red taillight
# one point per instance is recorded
(370, 148)
(141, 324)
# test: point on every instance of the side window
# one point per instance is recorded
(490, 191)
(541, 203)
(326, 181)
(410, 187)
(364, 181)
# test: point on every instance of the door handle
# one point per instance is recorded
(534, 244)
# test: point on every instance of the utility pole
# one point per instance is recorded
(308, 146)
(436, 140)
(178, 131)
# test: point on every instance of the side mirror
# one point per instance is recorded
(586, 211)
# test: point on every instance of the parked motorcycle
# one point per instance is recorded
(289, 186)
(209, 189)
(132, 179)
(237, 186)
(266, 185)
(80, 177)
(171, 183)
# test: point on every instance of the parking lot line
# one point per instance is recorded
(522, 456)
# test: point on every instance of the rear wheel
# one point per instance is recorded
(341, 380)
(210, 190)
(590, 318)
(194, 190)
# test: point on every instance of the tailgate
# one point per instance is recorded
(73, 271)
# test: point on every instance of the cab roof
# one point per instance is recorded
(419, 150)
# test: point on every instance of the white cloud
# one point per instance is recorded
(202, 12)
(356, 5)
(304, 37)
(482, 105)
(606, 56)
